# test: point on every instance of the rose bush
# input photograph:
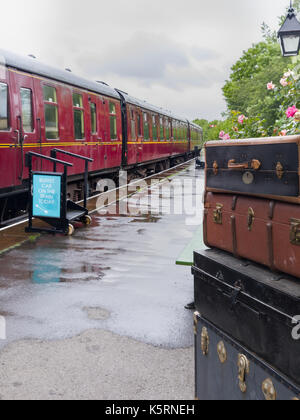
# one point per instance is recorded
(286, 93)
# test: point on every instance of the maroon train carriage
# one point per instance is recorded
(42, 108)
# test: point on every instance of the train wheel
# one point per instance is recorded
(71, 230)
(87, 220)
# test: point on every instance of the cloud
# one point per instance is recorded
(153, 59)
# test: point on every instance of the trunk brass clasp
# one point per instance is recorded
(251, 217)
(244, 370)
(215, 167)
(204, 341)
(222, 352)
(269, 390)
(218, 217)
(279, 170)
(295, 232)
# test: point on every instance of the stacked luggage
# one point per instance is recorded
(247, 286)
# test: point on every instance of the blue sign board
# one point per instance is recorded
(47, 195)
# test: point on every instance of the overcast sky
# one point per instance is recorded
(173, 53)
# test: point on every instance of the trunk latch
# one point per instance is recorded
(295, 232)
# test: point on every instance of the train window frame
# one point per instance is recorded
(50, 100)
(113, 121)
(162, 128)
(8, 122)
(139, 123)
(166, 124)
(26, 89)
(154, 127)
(170, 129)
(174, 130)
(133, 125)
(51, 105)
(95, 122)
(79, 108)
(146, 126)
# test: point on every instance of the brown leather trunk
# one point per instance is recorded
(260, 230)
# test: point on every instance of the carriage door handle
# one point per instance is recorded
(18, 136)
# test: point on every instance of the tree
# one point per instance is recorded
(262, 110)
(246, 90)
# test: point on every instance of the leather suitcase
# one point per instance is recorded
(256, 308)
(260, 230)
(227, 371)
(266, 167)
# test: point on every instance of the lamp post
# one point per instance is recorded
(289, 34)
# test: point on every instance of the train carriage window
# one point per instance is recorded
(4, 124)
(27, 112)
(50, 94)
(51, 112)
(77, 100)
(167, 129)
(170, 130)
(175, 130)
(93, 108)
(146, 127)
(79, 129)
(139, 125)
(154, 128)
(161, 123)
(113, 121)
(133, 126)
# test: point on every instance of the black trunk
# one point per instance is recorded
(262, 169)
(255, 307)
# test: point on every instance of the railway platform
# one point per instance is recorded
(100, 314)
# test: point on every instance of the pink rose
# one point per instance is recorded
(283, 82)
(241, 119)
(226, 137)
(288, 74)
(290, 112)
(283, 133)
(271, 86)
(222, 134)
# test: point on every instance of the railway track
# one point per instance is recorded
(93, 199)
(14, 234)
(121, 192)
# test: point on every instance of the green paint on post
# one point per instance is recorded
(196, 244)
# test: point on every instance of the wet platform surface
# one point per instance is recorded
(119, 274)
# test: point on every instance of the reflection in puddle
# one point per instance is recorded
(119, 274)
(45, 268)
(149, 218)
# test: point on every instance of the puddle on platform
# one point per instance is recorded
(97, 314)
(146, 219)
(119, 274)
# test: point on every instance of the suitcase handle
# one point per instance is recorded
(233, 165)
(255, 165)
(233, 297)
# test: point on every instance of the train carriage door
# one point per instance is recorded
(26, 118)
(140, 131)
(8, 139)
(133, 118)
